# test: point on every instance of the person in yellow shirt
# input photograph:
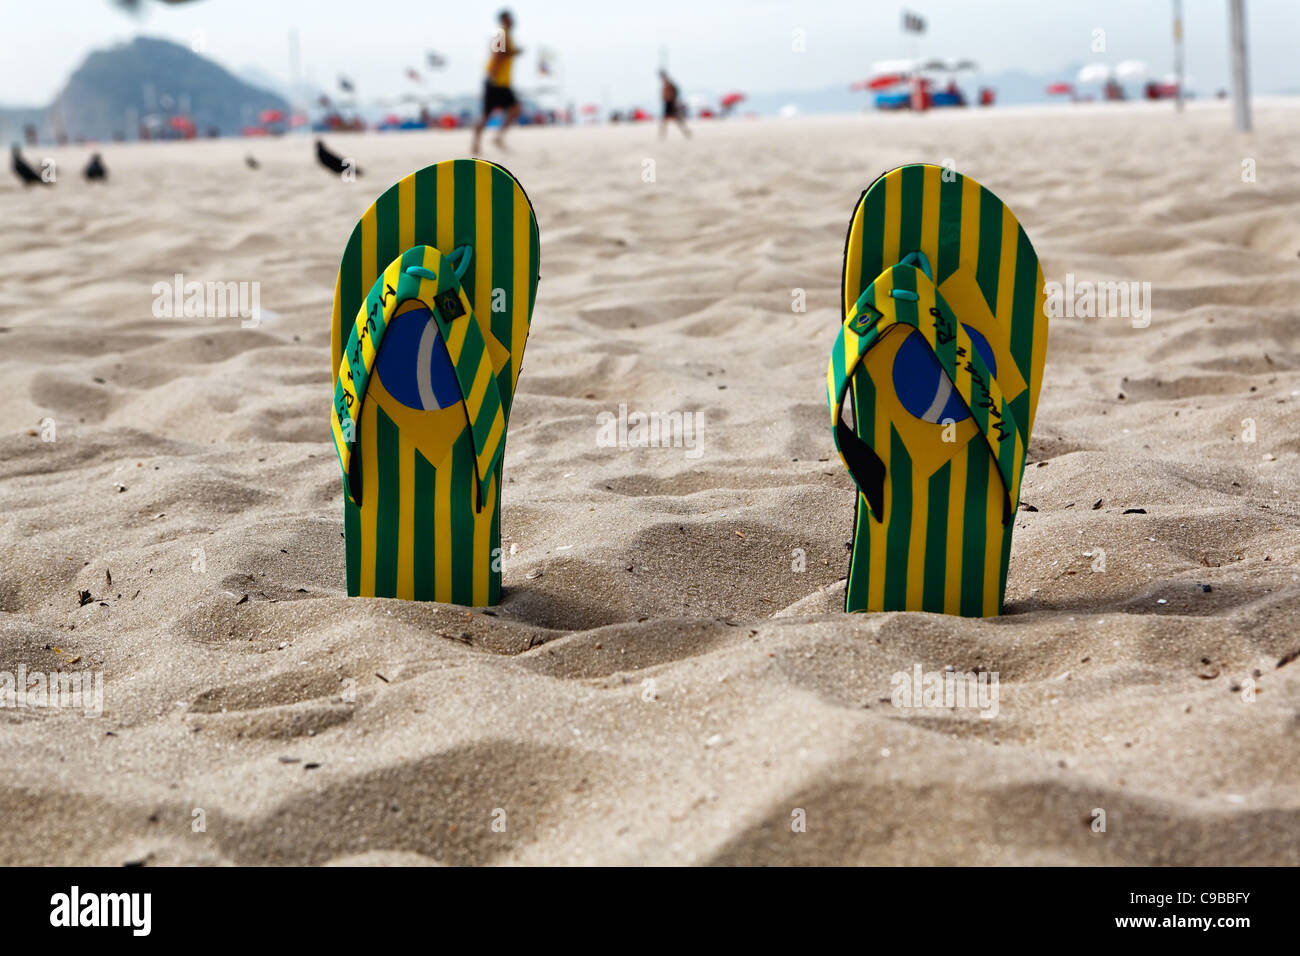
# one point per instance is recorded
(497, 94)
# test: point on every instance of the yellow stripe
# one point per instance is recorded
(1007, 271)
(406, 213)
(369, 502)
(1040, 349)
(878, 535)
(406, 519)
(970, 224)
(956, 515)
(482, 555)
(442, 521)
(494, 436)
(368, 252)
(893, 216)
(345, 453)
(456, 341)
(853, 261)
(521, 285)
(476, 392)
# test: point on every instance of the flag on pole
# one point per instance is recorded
(912, 22)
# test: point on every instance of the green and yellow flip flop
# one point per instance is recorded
(942, 350)
(432, 308)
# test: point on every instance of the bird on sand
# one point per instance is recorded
(24, 172)
(95, 169)
(332, 162)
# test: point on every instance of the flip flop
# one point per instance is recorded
(432, 308)
(942, 349)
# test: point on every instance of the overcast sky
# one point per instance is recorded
(608, 49)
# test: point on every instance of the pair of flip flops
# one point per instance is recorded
(941, 353)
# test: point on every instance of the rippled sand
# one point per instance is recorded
(659, 685)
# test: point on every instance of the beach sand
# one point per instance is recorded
(659, 684)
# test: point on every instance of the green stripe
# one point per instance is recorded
(464, 228)
(388, 487)
(873, 233)
(974, 527)
(936, 540)
(1006, 559)
(426, 535)
(495, 554)
(502, 275)
(352, 544)
(949, 227)
(472, 352)
(426, 207)
(899, 532)
(1023, 299)
(906, 309)
(990, 248)
(837, 369)
(350, 289)
(1007, 464)
(487, 414)
(912, 192)
(463, 494)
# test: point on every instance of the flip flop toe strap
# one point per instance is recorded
(423, 274)
(904, 295)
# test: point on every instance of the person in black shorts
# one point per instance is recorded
(672, 107)
(497, 92)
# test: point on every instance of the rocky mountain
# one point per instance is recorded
(114, 89)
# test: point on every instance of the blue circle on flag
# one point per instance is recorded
(922, 385)
(414, 365)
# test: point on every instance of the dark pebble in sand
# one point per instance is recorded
(83, 598)
(1206, 589)
(1135, 511)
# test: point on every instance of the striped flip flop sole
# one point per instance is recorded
(942, 545)
(422, 534)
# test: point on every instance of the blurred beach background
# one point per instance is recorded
(669, 678)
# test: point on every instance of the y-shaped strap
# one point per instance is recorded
(424, 274)
(905, 295)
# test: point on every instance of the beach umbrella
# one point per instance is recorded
(271, 116)
(413, 75)
(591, 109)
(1131, 70)
(731, 99)
(1060, 89)
(902, 67)
(1094, 73)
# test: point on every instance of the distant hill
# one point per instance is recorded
(113, 89)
